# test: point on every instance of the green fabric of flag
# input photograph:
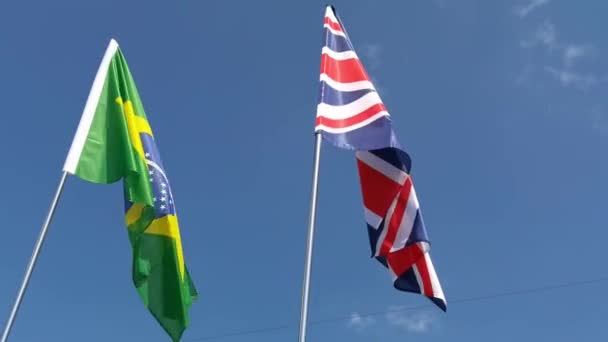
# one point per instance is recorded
(114, 142)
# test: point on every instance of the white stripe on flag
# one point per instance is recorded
(387, 222)
(351, 86)
(372, 219)
(337, 33)
(329, 13)
(339, 56)
(418, 278)
(86, 120)
(407, 221)
(397, 175)
(349, 110)
(360, 124)
(437, 290)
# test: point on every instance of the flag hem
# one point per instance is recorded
(73, 157)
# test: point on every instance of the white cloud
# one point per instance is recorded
(523, 11)
(545, 36)
(574, 52)
(572, 78)
(359, 322)
(524, 77)
(600, 120)
(416, 322)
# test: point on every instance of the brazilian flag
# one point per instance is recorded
(114, 142)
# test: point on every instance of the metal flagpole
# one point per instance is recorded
(310, 241)
(33, 259)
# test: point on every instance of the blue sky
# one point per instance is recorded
(500, 104)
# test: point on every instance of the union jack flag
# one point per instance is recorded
(351, 115)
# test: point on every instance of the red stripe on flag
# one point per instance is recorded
(377, 189)
(344, 71)
(335, 26)
(396, 218)
(425, 277)
(353, 120)
(403, 259)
